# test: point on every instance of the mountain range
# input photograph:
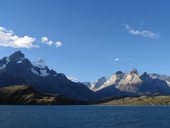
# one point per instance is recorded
(132, 84)
(16, 69)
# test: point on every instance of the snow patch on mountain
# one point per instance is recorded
(43, 72)
(42, 68)
(18, 62)
(34, 71)
(168, 83)
(39, 63)
(3, 66)
(161, 77)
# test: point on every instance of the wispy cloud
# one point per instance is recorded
(144, 33)
(9, 39)
(45, 40)
(116, 59)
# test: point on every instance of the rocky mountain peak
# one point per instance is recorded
(100, 81)
(119, 73)
(16, 56)
(18, 70)
(145, 77)
(145, 74)
(134, 71)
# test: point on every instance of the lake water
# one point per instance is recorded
(84, 117)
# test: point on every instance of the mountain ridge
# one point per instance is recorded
(17, 70)
(133, 84)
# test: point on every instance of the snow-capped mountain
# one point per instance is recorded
(18, 70)
(133, 83)
(17, 61)
(161, 77)
(41, 65)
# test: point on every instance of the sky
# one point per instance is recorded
(88, 39)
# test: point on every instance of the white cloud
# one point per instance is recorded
(58, 44)
(116, 59)
(45, 40)
(9, 39)
(50, 43)
(144, 33)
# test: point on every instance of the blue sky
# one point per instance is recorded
(96, 37)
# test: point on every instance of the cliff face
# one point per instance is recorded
(133, 84)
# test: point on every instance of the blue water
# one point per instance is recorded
(84, 117)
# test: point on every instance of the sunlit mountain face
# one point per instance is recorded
(133, 84)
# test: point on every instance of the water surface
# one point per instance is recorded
(84, 117)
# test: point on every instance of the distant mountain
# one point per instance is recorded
(161, 77)
(95, 85)
(133, 84)
(88, 84)
(17, 70)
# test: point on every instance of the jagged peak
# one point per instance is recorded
(100, 81)
(145, 76)
(134, 71)
(119, 73)
(61, 75)
(18, 55)
(103, 78)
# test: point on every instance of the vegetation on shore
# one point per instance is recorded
(26, 95)
(142, 100)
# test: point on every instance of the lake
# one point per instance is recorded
(84, 116)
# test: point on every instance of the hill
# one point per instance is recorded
(26, 95)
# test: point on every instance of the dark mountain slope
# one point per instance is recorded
(22, 94)
(18, 70)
